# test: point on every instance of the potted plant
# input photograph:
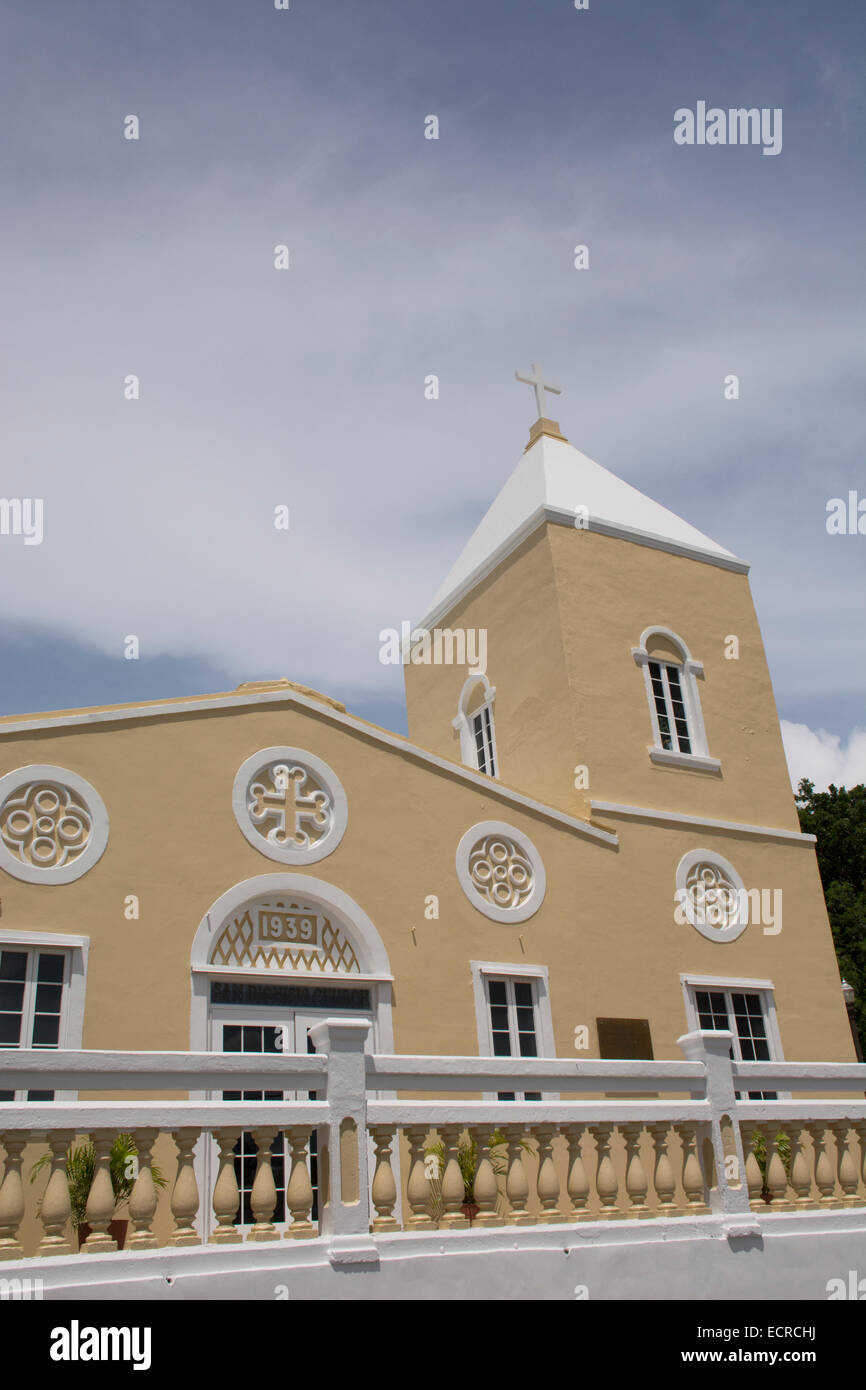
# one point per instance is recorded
(80, 1171)
(783, 1147)
(467, 1158)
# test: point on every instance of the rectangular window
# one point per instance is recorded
(670, 707)
(482, 729)
(741, 1012)
(513, 1027)
(33, 988)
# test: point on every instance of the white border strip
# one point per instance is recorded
(563, 518)
(347, 721)
(613, 808)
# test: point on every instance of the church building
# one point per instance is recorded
(586, 847)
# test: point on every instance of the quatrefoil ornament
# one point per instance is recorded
(501, 872)
(53, 824)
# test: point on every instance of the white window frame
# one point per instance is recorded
(464, 723)
(76, 949)
(539, 977)
(690, 670)
(729, 984)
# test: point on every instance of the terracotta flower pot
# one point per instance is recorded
(116, 1229)
(471, 1210)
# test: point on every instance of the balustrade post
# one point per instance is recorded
(226, 1193)
(693, 1177)
(384, 1190)
(263, 1197)
(578, 1181)
(664, 1181)
(860, 1127)
(56, 1207)
(776, 1178)
(453, 1190)
(730, 1195)
(418, 1185)
(801, 1166)
(184, 1196)
(11, 1199)
(636, 1184)
(143, 1198)
(845, 1165)
(346, 1217)
(516, 1183)
(547, 1182)
(299, 1192)
(99, 1211)
(606, 1181)
(825, 1168)
(486, 1189)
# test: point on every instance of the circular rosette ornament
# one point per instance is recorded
(500, 872)
(290, 805)
(53, 824)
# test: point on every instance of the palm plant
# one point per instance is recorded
(81, 1169)
(467, 1159)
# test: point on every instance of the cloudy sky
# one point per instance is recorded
(408, 257)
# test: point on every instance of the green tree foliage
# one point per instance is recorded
(838, 818)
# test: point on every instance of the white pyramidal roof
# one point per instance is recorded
(555, 482)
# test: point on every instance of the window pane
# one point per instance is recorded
(13, 965)
(50, 970)
(501, 1045)
(48, 998)
(10, 1030)
(252, 1039)
(11, 997)
(232, 1036)
(523, 993)
(496, 992)
(46, 1030)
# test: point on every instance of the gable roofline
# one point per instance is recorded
(325, 709)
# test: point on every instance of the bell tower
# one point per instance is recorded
(624, 661)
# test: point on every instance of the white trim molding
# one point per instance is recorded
(501, 871)
(47, 823)
(327, 802)
(666, 758)
(766, 988)
(769, 832)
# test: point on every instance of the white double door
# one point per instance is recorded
(266, 1032)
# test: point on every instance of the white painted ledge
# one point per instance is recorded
(695, 762)
(769, 832)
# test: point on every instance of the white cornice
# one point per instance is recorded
(178, 709)
(767, 832)
(559, 517)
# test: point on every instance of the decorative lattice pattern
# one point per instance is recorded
(279, 934)
(713, 898)
(500, 871)
(45, 825)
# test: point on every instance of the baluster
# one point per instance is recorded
(418, 1186)
(664, 1181)
(845, 1165)
(801, 1167)
(860, 1127)
(606, 1181)
(486, 1190)
(226, 1193)
(516, 1183)
(143, 1198)
(754, 1177)
(825, 1168)
(776, 1178)
(693, 1178)
(263, 1198)
(578, 1181)
(547, 1182)
(11, 1200)
(184, 1196)
(453, 1191)
(99, 1211)
(299, 1193)
(384, 1188)
(55, 1208)
(636, 1184)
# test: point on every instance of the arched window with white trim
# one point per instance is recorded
(474, 723)
(671, 675)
